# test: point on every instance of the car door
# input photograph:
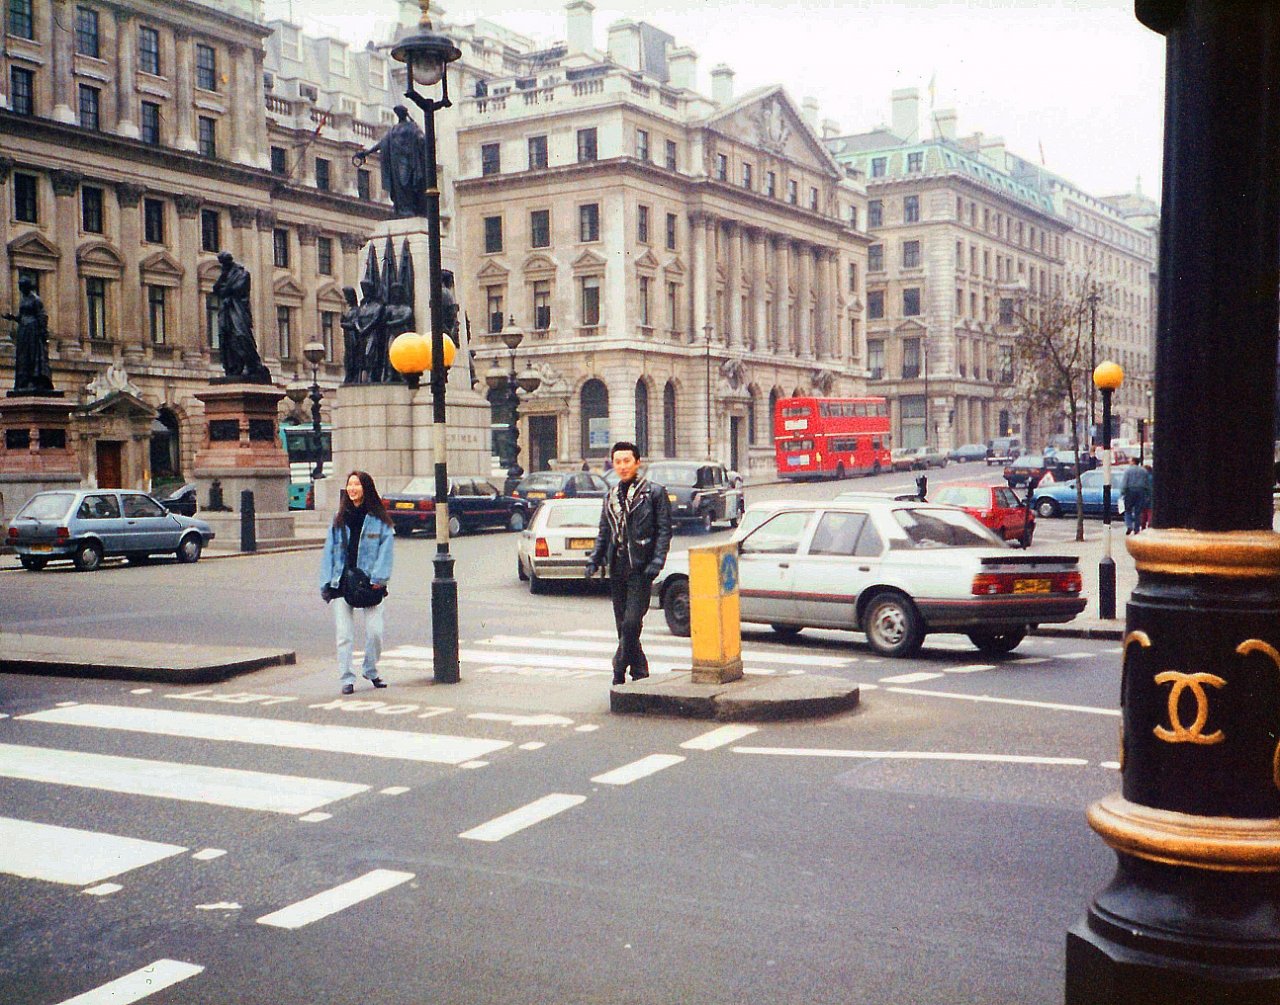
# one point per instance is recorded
(1008, 522)
(147, 527)
(766, 561)
(1091, 483)
(827, 577)
(99, 516)
(491, 511)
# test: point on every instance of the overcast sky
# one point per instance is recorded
(1084, 80)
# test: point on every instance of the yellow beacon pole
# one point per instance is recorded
(714, 618)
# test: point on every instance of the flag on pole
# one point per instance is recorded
(933, 89)
(1042, 160)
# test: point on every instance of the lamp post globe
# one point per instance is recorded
(1108, 376)
(297, 392)
(495, 377)
(529, 380)
(425, 53)
(314, 353)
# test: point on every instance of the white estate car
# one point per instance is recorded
(893, 569)
(558, 540)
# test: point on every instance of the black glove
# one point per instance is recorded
(327, 593)
(652, 569)
(589, 571)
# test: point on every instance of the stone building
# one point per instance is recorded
(676, 262)
(137, 141)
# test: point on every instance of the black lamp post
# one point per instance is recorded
(427, 56)
(314, 353)
(1092, 300)
(506, 387)
(1107, 376)
(707, 330)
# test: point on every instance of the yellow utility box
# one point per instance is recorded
(714, 618)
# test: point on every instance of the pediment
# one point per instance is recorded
(491, 271)
(330, 294)
(120, 404)
(767, 118)
(675, 267)
(910, 328)
(163, 264)
(589, 260)
(286, 287)
(209, 271)
(101, 254)
(539, 264)
(34, 244)
(647, 261)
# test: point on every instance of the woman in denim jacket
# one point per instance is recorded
(360, 535)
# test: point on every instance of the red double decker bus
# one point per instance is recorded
(831, 437)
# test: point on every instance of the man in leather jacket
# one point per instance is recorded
(634, 535)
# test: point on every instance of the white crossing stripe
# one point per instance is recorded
(1074, 656)
(910, 678)
(77, 858)
(636, 770)
(328, 902)
(140, 984)
(585, 645)
(208, 854)
(526, 816)
(1025, 660)
(718, 737)
(102, 889)
(971, 668)
(196, 783)
(1009, 701)
(911, 755)
(391, 743)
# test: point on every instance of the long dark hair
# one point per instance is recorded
(373, 505)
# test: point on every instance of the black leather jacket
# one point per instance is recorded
(648, 524)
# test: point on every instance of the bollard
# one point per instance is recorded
(248, 523)
(715, 624)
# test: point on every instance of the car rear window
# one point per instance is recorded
(418, 487)
(672, 475)
(941, 528)
(53, 506)
(546, 480)
(577, 515)
(957, 495)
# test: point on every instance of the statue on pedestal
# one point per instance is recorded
(240, 360)
(403, 152)
(385, 311)
(31, 372)
(353, 348)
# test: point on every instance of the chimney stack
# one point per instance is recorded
(809, 109)
(905, 114)
(579, 30)
(722, 84)
(945, 121)
(624, 43)
(992, 150)
(830, 129)
(682, 63)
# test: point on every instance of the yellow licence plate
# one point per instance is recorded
(404, 505)
(42, 547)
(1031, 586)
(582, 543)
(536, 495)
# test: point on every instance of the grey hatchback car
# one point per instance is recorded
(89, 524)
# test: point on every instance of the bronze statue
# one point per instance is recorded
(403, 152)
(240, 360)
(353, 354)
(31, 372)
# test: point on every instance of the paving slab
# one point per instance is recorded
(124, 660)
(749, 699)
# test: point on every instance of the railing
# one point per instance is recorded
(278, 104)
(581, 88)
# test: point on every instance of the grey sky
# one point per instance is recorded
(1084, 79)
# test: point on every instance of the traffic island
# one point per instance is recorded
(163, 663)
(754, 698)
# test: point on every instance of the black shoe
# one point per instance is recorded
(638, 676)
(378, 682)
(619, 678)
(348, 689)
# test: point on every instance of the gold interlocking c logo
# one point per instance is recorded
(1193, 733)
(1258, 646)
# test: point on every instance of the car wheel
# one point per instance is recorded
(455, 527)
(1048, 508)
(787, 631)
(516, 521)
(520, 573)
(998, 643)
(88, 556)
(705, 521)
(892, 625)
(32, 564)
(137, 558)
(402, 531)
(1027, 533)
(189, 550)
(537, 584)
(675, 606)
(840, 472)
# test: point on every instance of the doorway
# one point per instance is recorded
(735, 442)
(543, 447)
(110, 464)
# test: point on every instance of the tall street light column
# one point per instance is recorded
(314, 353)
(1107, 377)
(707, 330)
(1092, 300)
(508, 385)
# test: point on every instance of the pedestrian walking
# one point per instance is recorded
(1135, 492)
(354, 572)
(632, 543)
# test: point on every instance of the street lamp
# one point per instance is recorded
(1092, 300)
(507, 386)
(314, 353)
(1107, 376)
(707, 329)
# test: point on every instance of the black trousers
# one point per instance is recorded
(630, 592)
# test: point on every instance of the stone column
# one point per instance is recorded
(62, 59)
(184, 90)
(188, 252)
(126, 76)
(265, 287)
(698, 275)
(129, 196)
(759, 283)
(781, 293)
(733, 283)
(6, 169)
(309, 318)
(66, 185)
(804, 299)
(821, 304)
(257, 99)
(709, 230)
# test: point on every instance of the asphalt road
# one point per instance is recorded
(476, 843)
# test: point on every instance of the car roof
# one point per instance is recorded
(968, 485)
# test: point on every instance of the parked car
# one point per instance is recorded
(540, 485)
(473, 503)
(995, 507)
(699, 491)
(1059, 499)
(87, 526)
(182, 501)
(1056, 442)
(903, 458)
(918, 458)
(1062, 464)
(1003, 449)
(1020, 470)
(557, 541)
(893, 570)
(969, 452)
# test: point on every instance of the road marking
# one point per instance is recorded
(971, 668)
(222, 905)
(4, 715)
(910, 678)
(195, 783)
(636, 770)
(526, 816)
(103, 889)
(718, 737)
(314, 818)
(909, 755)
(75, 857)
(532, 745)
(589, 728)
(208, 854)
(1009, 701)
(141, 690)
(328, 902)
(1074, 656)
(1114, 652)
(1026, 660)
(67, 704)
(522, 720)
(1112, 765)
(585, 645)
(390, 743)
(474, 764)
(140, 984)
(394, 790)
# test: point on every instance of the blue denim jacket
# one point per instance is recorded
(373, 557)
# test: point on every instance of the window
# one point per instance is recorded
(207, 68)
(911, 254)
(279, 160)
(208, 138)
(211, 322)
(210, 230)
(915, 162)
(490, 158)
(959, 256)
(87, 32)
(327, 325)
(586, 145)
(280, 247)
(21, 21)
(746, 176)
(671, 155)
(151, 123)
(540, 228)
(103, 507)
(780, 535)
(22, 90)
(324, 256)
(875, 358)
(322, 174)
(853, 217)
(642, 144)
(673, 306)
(492, 235)
(589, 222)
(95, 302)
(642, 224)
(590, 306)
(25, 203)
(89, 108)
(878, 166)
(284, 330)
(537, 153)
(1006, 311)
(911, 302)
(153, 221)
(793, 192)
(542, 305)
(875, 304)
(911, 209)
(837, 534)
(722, 167)
(672, 223)
(337, 59)
(813, 199)
(645, 283)
(155, 314)
(910, 358)
(642, 417)
(308, 92)
(149, 50)
(1006, 364)
(875, 213)
(364, 185)
(493, 308)
(669, 420)
(875, 258)
(853, 277)
(771, 184)
(90, 209)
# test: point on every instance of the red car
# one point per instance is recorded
(995, 506)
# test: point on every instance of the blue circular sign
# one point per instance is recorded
(728, 573)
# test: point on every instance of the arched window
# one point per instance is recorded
(166, 454)
(669, 420)
(595, 419)
(773, 411)
(751, 419)
(642, 417)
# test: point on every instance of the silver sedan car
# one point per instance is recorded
(557, 541)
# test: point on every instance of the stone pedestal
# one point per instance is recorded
(35, 449)
(241, 449)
